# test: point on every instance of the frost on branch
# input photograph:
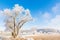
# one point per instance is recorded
(16, 17)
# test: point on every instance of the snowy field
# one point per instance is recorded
(53, 36)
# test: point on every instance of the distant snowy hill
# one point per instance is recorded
(48, 30)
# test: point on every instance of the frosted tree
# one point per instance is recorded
(15, 18)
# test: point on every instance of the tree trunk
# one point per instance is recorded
(14, 35)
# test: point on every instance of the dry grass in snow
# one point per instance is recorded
(45, 37)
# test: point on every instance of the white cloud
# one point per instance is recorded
(1, 12)
(52, 22)
(56, 19)
(56, 9)
(46, 15)
(55, 23)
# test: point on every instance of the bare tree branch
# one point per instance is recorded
(11, 21)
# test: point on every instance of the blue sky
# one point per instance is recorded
(31, 4)
(41, 10)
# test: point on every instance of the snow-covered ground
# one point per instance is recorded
(34, 34)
